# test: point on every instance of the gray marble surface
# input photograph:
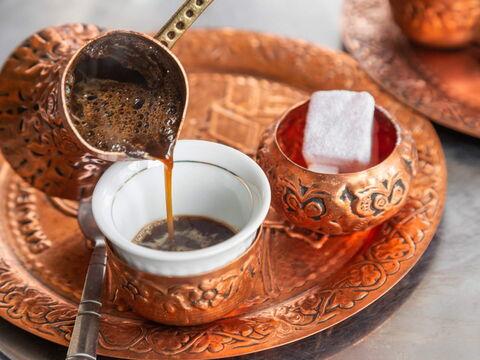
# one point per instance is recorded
(434, 313)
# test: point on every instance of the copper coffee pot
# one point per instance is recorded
(37, 135)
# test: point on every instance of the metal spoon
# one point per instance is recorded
(83, 344)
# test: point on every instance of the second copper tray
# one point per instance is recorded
(443, 85)
(240, 82)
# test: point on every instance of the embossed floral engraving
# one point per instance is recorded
(210, 293)
(375, 200)
(211, 340)
(182, 300)
(32, 307)
(32, 135)
(23, 209)
(304, 201)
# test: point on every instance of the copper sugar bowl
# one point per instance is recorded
(438, 23)
(336, 204)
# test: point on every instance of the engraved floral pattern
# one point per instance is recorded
(303, 202)
(209, 294)
(203, 296)
(34, 307)
(376, 199)
(32, 135)
(22, 206)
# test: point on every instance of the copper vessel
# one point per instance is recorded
(336, 204)
(184, 301)
(37, 136)
(438, 23)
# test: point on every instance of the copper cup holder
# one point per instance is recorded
(189, 300)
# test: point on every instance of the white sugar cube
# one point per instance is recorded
(324, 169)
(338, 131)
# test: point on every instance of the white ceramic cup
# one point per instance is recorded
(209, 179)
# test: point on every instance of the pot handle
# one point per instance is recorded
(181, 21)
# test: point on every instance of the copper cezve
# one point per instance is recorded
(37, 134)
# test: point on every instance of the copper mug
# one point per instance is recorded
(187, 300)
(438, 23)
(37, 135)
(184, 287)
(336, 204)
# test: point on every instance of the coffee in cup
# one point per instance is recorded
(191, 233)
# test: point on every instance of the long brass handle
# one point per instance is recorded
(83, 344)
(181, 21)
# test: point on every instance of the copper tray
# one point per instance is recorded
(240, 82)
(443, 85)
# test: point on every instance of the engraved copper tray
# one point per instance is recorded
(443, 85)
(240, 82)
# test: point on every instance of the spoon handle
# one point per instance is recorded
(181, 21)
(83, 344)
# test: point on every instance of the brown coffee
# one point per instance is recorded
(191, 233)
(117, 109)
(118, 116)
